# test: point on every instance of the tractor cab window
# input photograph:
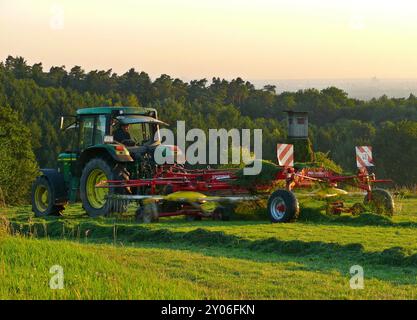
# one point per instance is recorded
(100, 130)
(142, 133)
(86, 132)
(92, 131)
(70, 140)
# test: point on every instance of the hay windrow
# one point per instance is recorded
(266, 177)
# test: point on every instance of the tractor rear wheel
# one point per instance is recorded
(43, 198)
(381, 202)
(283, 206)
(94, 199)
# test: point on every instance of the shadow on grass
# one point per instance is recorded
(399, 275)
(201, 238)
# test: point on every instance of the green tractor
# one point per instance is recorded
(95, 156)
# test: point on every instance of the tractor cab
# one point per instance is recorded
(94, 132)
(138, 133)
(94, 153)
(98, 125)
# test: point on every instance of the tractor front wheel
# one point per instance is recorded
(43, 198)
(283, 206)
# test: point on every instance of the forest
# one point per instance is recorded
(33, 99)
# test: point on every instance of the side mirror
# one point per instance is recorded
(61, 125)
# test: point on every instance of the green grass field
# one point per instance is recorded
(246, 258)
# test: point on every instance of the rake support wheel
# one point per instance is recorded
(283, 206)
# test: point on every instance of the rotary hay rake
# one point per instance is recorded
(212, 193)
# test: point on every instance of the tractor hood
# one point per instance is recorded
(132, 119)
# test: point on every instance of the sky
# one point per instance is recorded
(253, 39)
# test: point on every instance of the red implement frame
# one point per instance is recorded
(221, 181)
(214, 180)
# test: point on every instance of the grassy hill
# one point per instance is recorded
(116, 258)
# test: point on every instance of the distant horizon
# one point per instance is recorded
(365, 89)
(47, 66)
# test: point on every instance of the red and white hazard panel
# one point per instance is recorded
(364, 157)
(285, 155)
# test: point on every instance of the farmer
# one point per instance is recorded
(122, 134)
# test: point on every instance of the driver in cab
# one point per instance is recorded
(122, 135)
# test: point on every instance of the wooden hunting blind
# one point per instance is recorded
(297, 124)
(298, 135)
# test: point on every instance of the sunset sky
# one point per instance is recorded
(262, 39)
